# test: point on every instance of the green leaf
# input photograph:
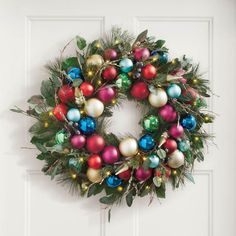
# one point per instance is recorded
(141, 37)
(189, 176)
(157, 181)
(41, 157)
(70, 62)
(94, 189)
(35, 127)
(109, 215)
(110, 199)
(161, 153)
(36, 99)
(81, 42)
(54, 172)
(77, 82)
(160, 43)
(56, 81)
(41, 147)
(16, 110)
(161, 191)
(129, 199)
(47, 88)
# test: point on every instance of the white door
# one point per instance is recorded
(31, 33)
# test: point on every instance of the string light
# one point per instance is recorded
(50, 113)
(90, 73)
(154, 59)
(113, 101)
(120, 188)
(206, 118)
(196, 139)
(46, 124)
(81, 159)
(174, 172)
(82, 111)
(117, 41)
(108, 173)
(195, 81)
(144, 158)
(73, 175)
(147, 187)
(98, 45)
(99, 82)
(85, 187)
(173, 61)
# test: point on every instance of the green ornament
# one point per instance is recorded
(183, 145)
(74, 163)
(61, 137)
(151, 123)
(123, 82)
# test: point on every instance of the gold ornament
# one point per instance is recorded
(128, 147)
(95, 60)
(94, 175)
(176, 159)
(158, 98)
(94, 107)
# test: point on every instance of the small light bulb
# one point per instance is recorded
(196, 139)
(81, 111)
(73, 176)
(174, 172)
(173, 61)
(154, 59)
(90, 73)
(144, 158)
(117, 41)
(99, 82)
(195, 81)
(119, 188)
(85, 188)
(98, 45)
(113, 101)
(81, 159)
(50, 113)
(46, 124)
(147, 187)
(108, 173)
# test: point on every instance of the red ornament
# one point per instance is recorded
(170, 145)
(66, 94)
(149, 72)
(109, 73)
(141, 54)
(176, 131)
(95, 143)
(142, 174)
(110, 154)
(140, 90)
(168, 113)
(190, 94)
(87, 89)
(60, 111)
(110, 54)
(95, 161)
(125, 175)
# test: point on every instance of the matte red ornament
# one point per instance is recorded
(176, 131)
(109, 73)
(168, 113)
(106, 94)
(87, 89)
(60, 111)
(142, 174)
(141, 54)
(110, 54)
(140, 90)
(95, 143)
(95, 161)
(190, 94)
(125, 175)
(66, 94)
(149, 72)
(78, 141)
(110, 154)
(170, 145)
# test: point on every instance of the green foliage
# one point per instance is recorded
(81, 42)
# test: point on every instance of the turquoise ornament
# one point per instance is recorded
(87, 125)
(126, 65)
(73, 115)
(189, 122)
(183, 145)
(146, 143)
(163, 58)
(74, 73)
(174, 91)
(154, 161)
(73, 163)
(113, 181)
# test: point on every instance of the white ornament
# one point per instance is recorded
(128, 147)
(94, 107)
(176, 159)
(158, 98)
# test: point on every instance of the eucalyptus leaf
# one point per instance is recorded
(141, 37)
(36, 99)
(161, 191)
(189, 176)
(41, 147)
(70, 62)
(129, 199)
(110, 199)
(159, 43)
(81, 42)
(161, 153)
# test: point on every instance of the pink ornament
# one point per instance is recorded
(110, 154)
(168, 113)
(183, 80)
(110, 54)
(78, 141)
(179, 72)
(142, 174)
(106, 94)
(141, 54)
(176, 131)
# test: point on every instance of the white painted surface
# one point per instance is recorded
(32, 32)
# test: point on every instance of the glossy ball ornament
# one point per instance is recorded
(146, 143)
(95, 60)
(154, 161)
(151, 123)
(110, 154)
(149, 72)
(94, 107)
(158, 98)
(74, 73)
(73, 115)
(109, 73)
(163, 58)
(87, 89)
(189, 122)
(95, 161)
(125, 175)
(176, 131)
(78, 141)
(167, 113)
(61, 137)
(87, 125)
(94, 175)
(95, 143)
(126, 65)
(106, 94)
(141, 54)
(113, 181)
(174, 91)
(170, 145)
(140, 90)
(128, 147)
(60, 111)
(142, 175)
(183, 145)
(175, 159)
(66, 94)
(123, 82)
(110, 54)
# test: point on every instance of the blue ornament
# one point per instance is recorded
(163, 58)
(146, 143)
(87, 125)
(73, 115)
(189, 122)
(154, 161)
(174, 91)
(113, 181)
(74, 73)
(126, 65)
(183, 145)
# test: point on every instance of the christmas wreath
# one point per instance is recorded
(72, 110)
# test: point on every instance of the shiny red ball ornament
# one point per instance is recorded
(110, 54)
(125, 175)
(109, 73)
(190, 94)
(170, 145)
(66, 94)
(87, 89)
(140, 90)
(176, 131)
(78, 141)
(141, 54)
(149, 72)
(60, 111)
(95, 143)
(141, 174)
(95, 161)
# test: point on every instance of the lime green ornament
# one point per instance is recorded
(151, 123)
(61, 137)
(123, 82)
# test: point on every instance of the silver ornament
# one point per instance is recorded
(176, 159)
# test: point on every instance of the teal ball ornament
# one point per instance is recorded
(183, 145)
(174, 91)
(154, 161)
(189, 122)
(146, 143)
(73, 115)
(113, 181)
(163, 58)
(126, 65)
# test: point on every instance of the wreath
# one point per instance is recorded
(75, 104)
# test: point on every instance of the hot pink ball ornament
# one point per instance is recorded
(106, 94)
(141, 54)
(142, 174)
(176, 131)
(110, 154)
(168, 113)
(78, 141)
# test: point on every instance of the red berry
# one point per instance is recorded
(170, 145)
(95, 161)
(149, 72)
(140, 90)
(87, 89)
(66, 94)
(125, 175)
(60, 111)
(109, 73)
